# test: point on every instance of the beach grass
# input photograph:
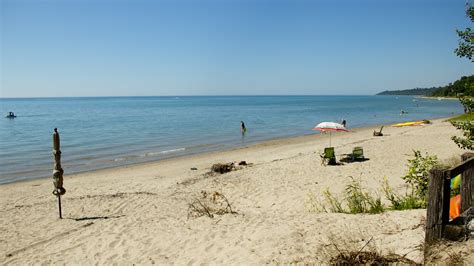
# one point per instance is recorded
(463, 117)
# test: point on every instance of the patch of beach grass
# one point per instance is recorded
(359, 201)
(354, 200)
(464, 117)
(402, 202)
(209, 204)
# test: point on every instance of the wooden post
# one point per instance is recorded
(59, 205)
(437, 215)
(57, 171)
(467, 185)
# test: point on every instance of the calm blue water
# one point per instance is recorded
(105, 132)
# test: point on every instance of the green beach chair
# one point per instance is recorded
(357, 153)
(328, 157)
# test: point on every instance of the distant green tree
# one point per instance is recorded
(466, 37)
(463, 86)
(468, 104)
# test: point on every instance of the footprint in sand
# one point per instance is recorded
(209, 247)
(114, 243)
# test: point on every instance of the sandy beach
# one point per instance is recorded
(139, 214)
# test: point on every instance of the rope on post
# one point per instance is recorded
(57, 170)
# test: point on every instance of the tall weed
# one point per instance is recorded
(418, 173)
(355, 200)
(402, 202)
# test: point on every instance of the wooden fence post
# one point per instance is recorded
(438, 204)
(467, 185)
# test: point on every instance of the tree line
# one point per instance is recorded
(461, 87)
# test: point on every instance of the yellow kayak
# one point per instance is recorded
(414, 123)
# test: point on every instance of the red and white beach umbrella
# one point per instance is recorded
(330, 126)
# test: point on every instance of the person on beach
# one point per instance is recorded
(243, 129)
(11, 115)
(343, 122)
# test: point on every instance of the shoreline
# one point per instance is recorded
(264, 143)
(439, 98)
(129, 138)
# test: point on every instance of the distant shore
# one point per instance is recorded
(438, 98)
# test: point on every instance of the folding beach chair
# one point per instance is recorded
(357, 153)
(378, 133)
(328, 157)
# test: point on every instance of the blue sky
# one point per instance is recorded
(249, 47)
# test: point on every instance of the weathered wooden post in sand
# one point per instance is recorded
(57, 170)
(439, 193)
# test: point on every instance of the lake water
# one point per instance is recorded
(111, 131)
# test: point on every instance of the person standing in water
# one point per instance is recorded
(243, 129)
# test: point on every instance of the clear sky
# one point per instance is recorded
(227, 47)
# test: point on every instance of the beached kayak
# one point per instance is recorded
(414, 123)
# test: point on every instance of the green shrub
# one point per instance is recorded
(467, 141)
(406, 202)
(417, 178)
(466, 126)
(418, 173)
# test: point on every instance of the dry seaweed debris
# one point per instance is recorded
(361, 257)
(209, 204)
(222, 168)
(368, 258)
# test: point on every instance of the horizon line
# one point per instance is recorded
(210, 95)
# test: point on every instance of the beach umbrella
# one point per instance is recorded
(330, 126)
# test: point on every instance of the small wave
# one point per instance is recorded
(35, 115)
(124, 158)
(163, 152)
(202, 146)
(174, 150)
